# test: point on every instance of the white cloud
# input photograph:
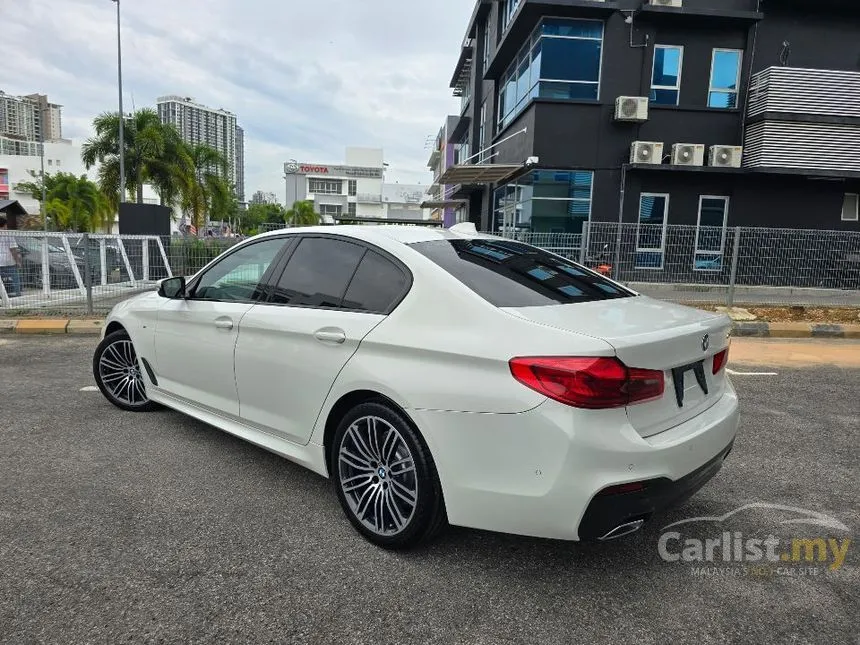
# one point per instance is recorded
(306, 79)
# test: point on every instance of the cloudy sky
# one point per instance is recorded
(306, 79)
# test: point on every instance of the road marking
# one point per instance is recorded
(89, 388)
(734, 373)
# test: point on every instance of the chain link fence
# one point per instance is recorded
(88, 274)
(721, 266)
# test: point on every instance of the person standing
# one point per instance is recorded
(10, 260)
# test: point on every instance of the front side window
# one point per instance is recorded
(318, 273)
(509, 8)
(711, 233)
(513, 274)
(725, 78)
(377, 286)
(238, 276)
(481, 127)
(325, 186)
(352, 187)
(486, 57)
(850, 207)
(666, 76)
(561, 60)
(651, 231)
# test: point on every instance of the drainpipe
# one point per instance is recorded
(616, 264)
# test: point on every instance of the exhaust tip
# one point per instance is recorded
(623, 529)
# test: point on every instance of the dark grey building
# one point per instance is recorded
(700, 112)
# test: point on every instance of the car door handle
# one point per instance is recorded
(224, 323)
(330, 335)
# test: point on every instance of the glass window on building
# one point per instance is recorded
(666, 76)
(325, 186)
(849, 206)
(482, 127)
(651, 231)
(561, 60)
(330, 210)
(725, 78)
(350, 209)
(711, 233)
(545, 201)
(509, 8)
(486, 53)
(352, 187)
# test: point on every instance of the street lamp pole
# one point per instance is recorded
(121, 113)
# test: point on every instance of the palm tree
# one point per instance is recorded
(77, 203)
(153, 151)
(201, 182)
(302, 214)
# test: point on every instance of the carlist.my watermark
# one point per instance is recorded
(806, 551)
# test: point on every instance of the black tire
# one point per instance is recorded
(110, 380)
(428, 515)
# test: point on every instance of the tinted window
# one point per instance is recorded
(512, 274)
(237, 277)
(318, 273)
(377, 285)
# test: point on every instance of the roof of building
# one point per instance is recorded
(12, 206)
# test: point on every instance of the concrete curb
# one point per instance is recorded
(740, 329)
(794, 330)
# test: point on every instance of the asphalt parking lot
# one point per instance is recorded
(117, 527)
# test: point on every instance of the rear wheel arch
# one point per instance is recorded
(343, 405)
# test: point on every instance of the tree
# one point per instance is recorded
(263, 213)
(73, 202)
(201, 183)
(154, 153)
(302, 214)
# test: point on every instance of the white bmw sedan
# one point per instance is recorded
(438, 376)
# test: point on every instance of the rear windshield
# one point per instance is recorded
(513, 274)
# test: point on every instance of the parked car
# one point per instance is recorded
(59, 266)
(438, 376)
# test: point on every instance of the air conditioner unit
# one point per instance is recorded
(646, 152)
(725, 156)
(667, 3)
(631, 108)
(688, 154)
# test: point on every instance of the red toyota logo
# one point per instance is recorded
(317, 169)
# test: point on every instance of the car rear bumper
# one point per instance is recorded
(539, 472)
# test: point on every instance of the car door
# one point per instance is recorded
(331, 294)
(195, 337)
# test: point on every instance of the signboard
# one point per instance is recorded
(294, 167)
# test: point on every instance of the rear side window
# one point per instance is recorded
(513, 274)
(318, 273)
(377, 286)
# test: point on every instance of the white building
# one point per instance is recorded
(215, 128)
(355, 190)
(59, 157)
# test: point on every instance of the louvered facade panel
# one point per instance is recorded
(810, 146)
(805, 91)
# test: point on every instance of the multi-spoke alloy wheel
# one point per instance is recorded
(386, 480)
(118, 375)
(377, 475)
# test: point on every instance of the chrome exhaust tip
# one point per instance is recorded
(623, 529)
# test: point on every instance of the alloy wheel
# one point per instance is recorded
(120, 373)
(377, 475)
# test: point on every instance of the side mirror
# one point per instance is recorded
(172, 288)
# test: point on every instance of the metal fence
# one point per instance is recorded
(89, 274)
(714, 265)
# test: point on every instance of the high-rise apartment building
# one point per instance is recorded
(240, 164)
(23, 122)
(215, 128)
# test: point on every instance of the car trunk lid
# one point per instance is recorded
(651, 334)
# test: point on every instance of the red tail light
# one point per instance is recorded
(588, 382)
(720, 360)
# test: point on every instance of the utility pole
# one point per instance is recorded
(121, 113)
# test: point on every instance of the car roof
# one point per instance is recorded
(388, 232)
